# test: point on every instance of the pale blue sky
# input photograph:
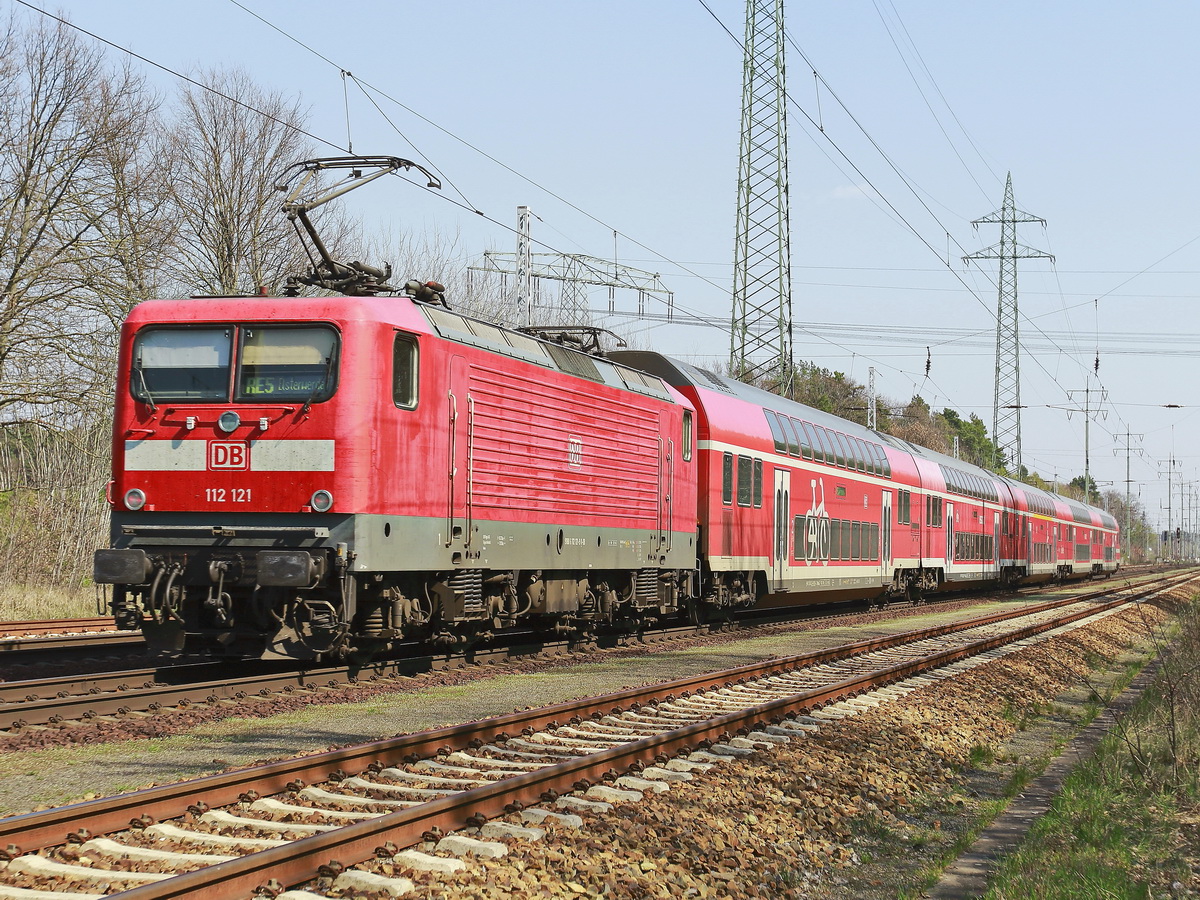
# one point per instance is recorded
(629, 111)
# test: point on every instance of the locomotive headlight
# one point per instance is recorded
(322, 501)
(229, 421)
(135, 499)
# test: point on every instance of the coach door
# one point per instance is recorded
(995, 542)
(885, 531)
(460, 416)
(783, 506)
(949, 534)
(664, 504)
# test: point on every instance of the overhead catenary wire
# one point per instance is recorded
(502, 225)
(366, 86)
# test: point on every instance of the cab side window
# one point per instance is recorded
(405, 358)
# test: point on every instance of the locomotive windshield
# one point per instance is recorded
(198, 364)
(174, 364)
(286, 364)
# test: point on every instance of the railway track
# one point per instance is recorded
(26, 645)
(33, 627)
(38, 703)
(93, 644)
(267, 828)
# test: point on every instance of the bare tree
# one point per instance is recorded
(230, 143)
(62, 111)
(77, 212)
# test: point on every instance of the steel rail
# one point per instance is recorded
(56, 626)
(301, 860)
(14, 648)
(53, 700)
(40, 830)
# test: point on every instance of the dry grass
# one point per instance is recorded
(20, 603)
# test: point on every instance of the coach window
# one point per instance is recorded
(822, 452)
(860, 458)
(800, 537)
(810, 432)
(687, 435)
(404, 371)
(745, 486)
(847, 446)
(776, 431)
(873, 466)
(883, 461)
(758, 487)
(802, 433)
(835, 455)
(727, 479)
(793, 445)
(839, 448)
(826, 438)
(853, 457)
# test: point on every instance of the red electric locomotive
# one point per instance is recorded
(301, 476)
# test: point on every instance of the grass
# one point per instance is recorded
(907, 857)
(981, 755)
(1102, 838)
(21, 603)
(1116, 829)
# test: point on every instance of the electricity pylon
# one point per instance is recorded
(761, 345)
(1006, 411)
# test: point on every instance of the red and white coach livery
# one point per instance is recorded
(798, 505)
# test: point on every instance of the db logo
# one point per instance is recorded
(228, 455)
(574, 452)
